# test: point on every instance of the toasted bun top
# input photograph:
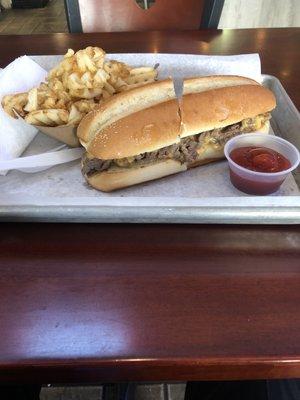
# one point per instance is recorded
(223, 106)
(143, 131)
(204, 83)
(123, 104)
(148, 118)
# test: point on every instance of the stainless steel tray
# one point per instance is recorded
(227, 210)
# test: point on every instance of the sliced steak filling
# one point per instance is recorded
(185, 151)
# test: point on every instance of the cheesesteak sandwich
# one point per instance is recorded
(147, 133)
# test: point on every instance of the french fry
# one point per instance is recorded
(109, 88)
(85, 106)
(105, 94)
(15, 102)
(32, 102)
(61, 104)
(85, 62)
(141, 78)
(53, 117)
(49, 103)
(142, 71)
(116, 68)
(100, 78)
(74, 116)
(120, 83)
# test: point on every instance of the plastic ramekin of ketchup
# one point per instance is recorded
(259, 163)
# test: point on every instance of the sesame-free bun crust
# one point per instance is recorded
(204, 83)
(123, 104)
(143, 131)
(221, 107)
(108, 181)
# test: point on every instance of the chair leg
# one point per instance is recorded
(117, 391)
(130, 393)
(165, 391)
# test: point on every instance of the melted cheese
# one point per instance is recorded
(211, 138)
(252, 123)
(124, 162)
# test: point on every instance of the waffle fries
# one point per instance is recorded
(75, 87)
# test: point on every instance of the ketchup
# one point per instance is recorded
(259, 159)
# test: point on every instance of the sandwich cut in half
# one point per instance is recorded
(147, 133)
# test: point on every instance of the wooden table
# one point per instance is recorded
(92, 303)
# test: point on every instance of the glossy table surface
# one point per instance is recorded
(92, 303)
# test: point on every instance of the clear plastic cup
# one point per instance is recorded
(260, 183)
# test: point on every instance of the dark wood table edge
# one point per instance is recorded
(91, 371)
(177, 31)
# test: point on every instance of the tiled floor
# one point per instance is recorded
(142, 392)
(49, 19)
(71, 393)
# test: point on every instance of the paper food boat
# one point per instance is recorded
(65, 134)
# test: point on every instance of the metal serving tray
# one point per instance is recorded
(279, 209)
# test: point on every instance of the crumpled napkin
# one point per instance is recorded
(15, 135)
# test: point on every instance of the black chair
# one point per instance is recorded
(113, 15)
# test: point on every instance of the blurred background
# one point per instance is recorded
(48, 16)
